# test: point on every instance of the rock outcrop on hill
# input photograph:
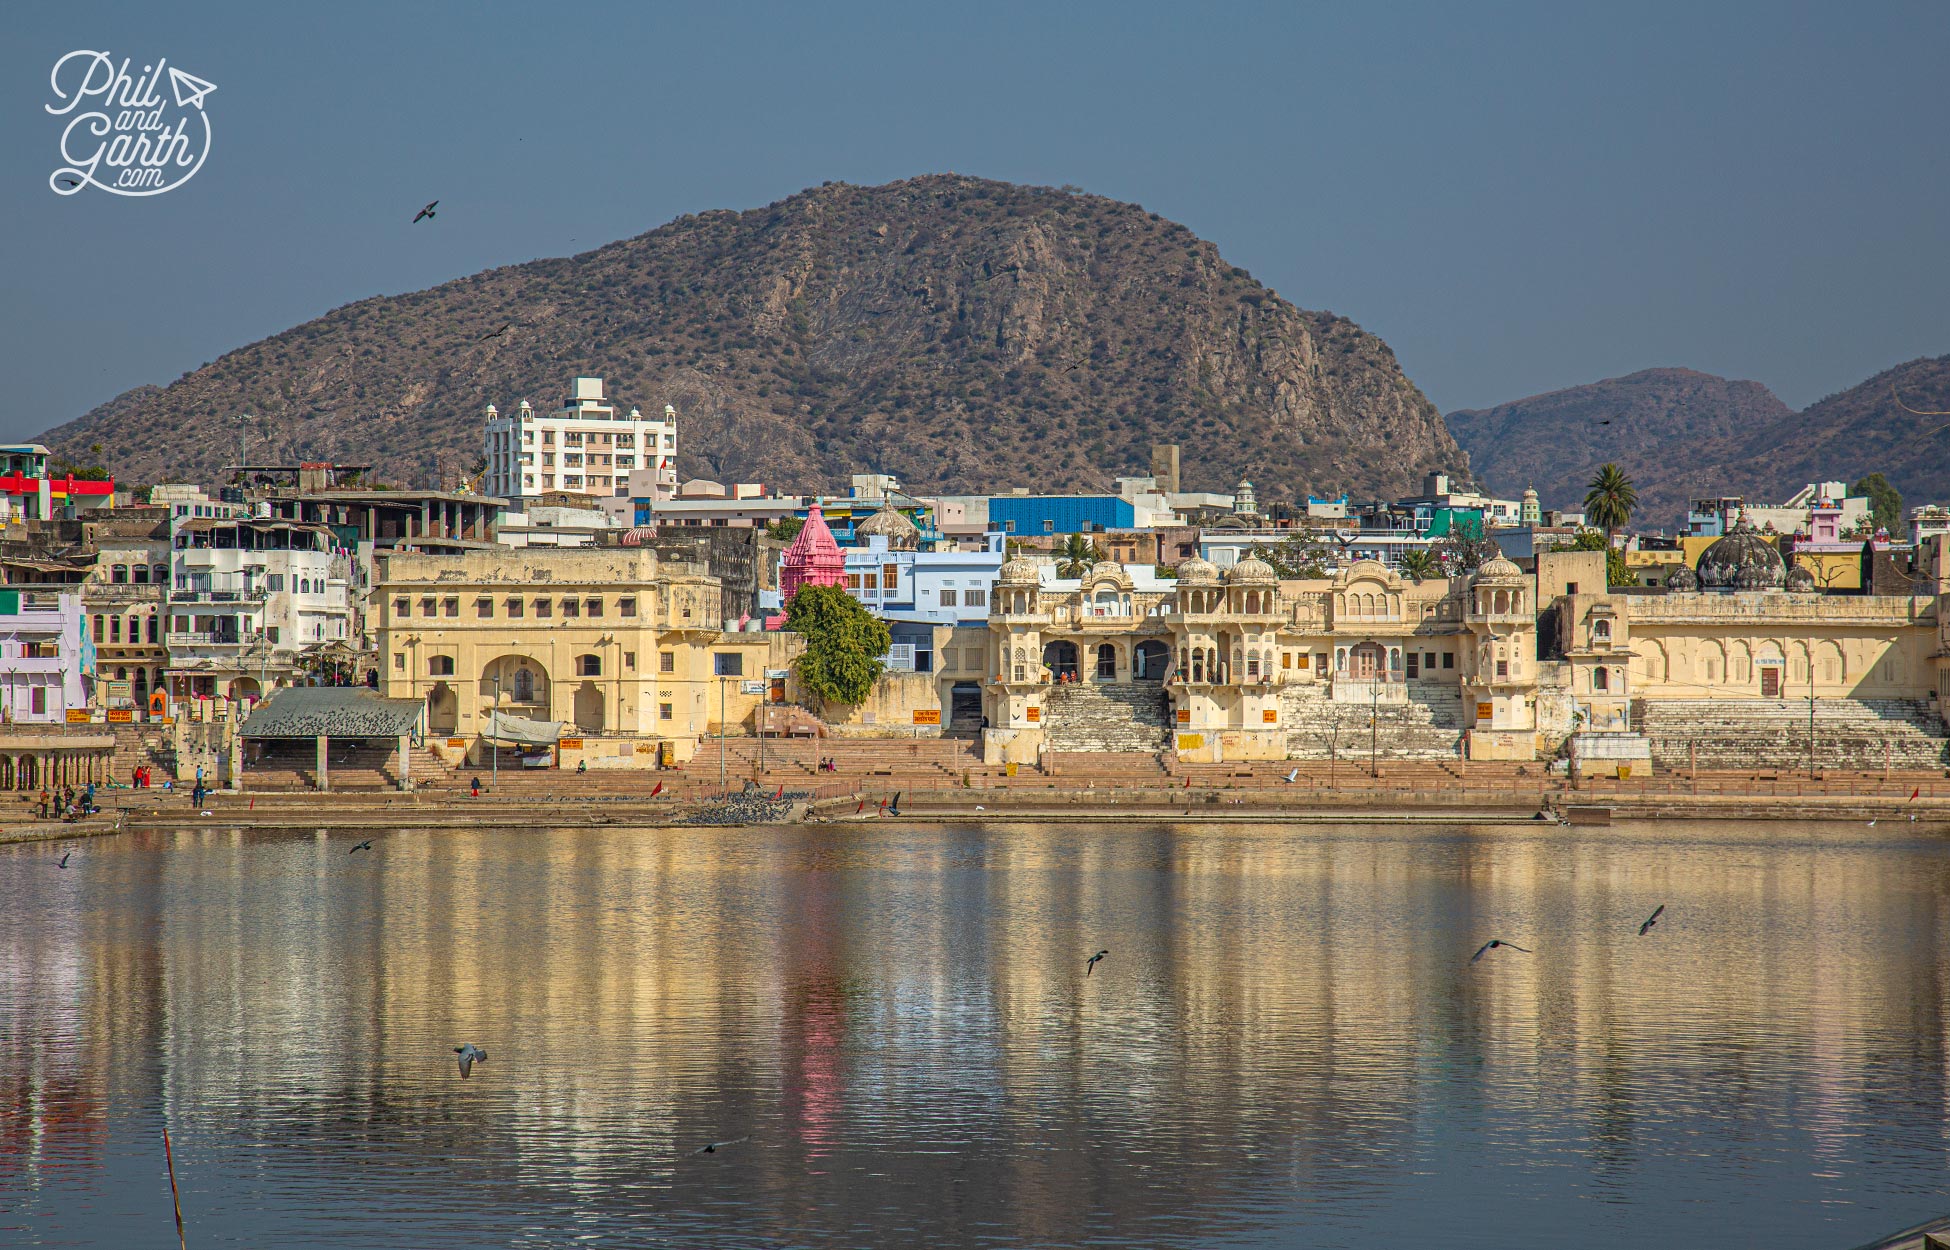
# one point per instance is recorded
(964, 334)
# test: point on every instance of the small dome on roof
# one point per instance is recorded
(1251, 570)
(1799, 580)
(1018, 571)
(1683, 579)
(892, 524)
(1197, 570)
(1498, 569)
(1742, 560)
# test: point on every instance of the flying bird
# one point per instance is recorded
(363, 846)
(498, 333)
(73, 182)
(713, 1147)
(1652, 920)
(425, 212)
(470, 1055)
(1491, 945)
(894, 808)
(1290, 776)
(64, 859)
(1090, 964)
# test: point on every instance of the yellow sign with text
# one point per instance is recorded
(121, 716)
(1484, 711)
(570, 744)
(927, 716)
(77, 716)
(1270, 716)
(1184, 716)
(1035, 714)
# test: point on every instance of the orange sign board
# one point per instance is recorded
(927, 716)
(570, 744)
(1035, 714)
(77, 716)
(121, 716)
(1484, 711)
(456, 742)
(1184, 716)
(1270, 716)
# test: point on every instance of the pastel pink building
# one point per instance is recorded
(813, 559)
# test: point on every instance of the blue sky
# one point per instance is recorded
(1516, 197)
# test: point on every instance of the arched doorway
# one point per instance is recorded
(1151, 660)
(589, 708)
(1106, 662)
(1365, 662)
(443, 709)
(1060, 658)
(245, 688)
(523, 686)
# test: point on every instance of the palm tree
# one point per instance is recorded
(1609, 501)
(1076, 555)
(1419, 564)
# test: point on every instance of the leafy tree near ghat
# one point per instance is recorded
(1076, 555)
(1464, 548)
(846, 646)
(786, 528)
(1885, 501)
(1617, 572)
(1609, 499)
(1419, 565)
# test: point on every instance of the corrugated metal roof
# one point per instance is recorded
(332, 711)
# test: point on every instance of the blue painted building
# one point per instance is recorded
(1059, 514)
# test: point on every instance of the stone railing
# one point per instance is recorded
(1774, 607)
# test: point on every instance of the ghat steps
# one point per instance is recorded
(1428, 726)
(1108, 716)
(1773, 733)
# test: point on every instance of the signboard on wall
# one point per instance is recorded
(456, 742)
(751, 687)
(77, 716)
(121, 716)
(1035, 714)
(1269, 716)
(1184, 716)
(570, 744)
(1190, 742)
(927, 716)
(1484, 711)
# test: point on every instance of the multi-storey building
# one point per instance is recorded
(123, 597)
(582, 448)
(47, 659)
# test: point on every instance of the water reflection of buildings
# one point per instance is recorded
(901, 1021)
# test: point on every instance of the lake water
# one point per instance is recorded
(1287, 1045)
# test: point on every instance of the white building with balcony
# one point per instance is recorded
(248, 596)
(582, 448)
(47, 659)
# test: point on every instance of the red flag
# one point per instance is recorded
(1188, 781)
(861, 808)
(781, 793)
(1913, 793)
(659, 790)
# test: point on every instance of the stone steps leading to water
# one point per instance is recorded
(1429, 726)
(1773, 733)
(1107, 716)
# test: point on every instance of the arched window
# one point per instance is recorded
(524, 691)
(589, 666)
(1601, 631)
(1252, 665)
(119, 574)
(440, 666)
(1600, 680)
(159, 574)
(1106, 662)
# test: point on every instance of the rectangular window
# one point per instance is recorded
(853, 581)
(400, 607)
(870, 581)
(399, 662)
(570, 607)
(1503, 668)
(593, 607)
(40, 700)
(426, 607)
(976, 598)
(728, 663)
(666, 661)
(484, 608)
(890, 577)
(626, 606)
(274, 582)
(272, 634)
(115, 629)
(542, 607)
(1008, 527)
(451, 606)
(947, 598)
(514, 607)
(629, 660)
(663, 711)
(1049, 527)
(1448, 659)
(1286, 659)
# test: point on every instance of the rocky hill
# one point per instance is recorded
(1682, 434)
(961, 333)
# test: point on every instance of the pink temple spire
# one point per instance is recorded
(813, 559)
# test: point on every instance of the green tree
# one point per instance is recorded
(1076, 555)
(786, 528)
(846, 646)
(1418, 565)
(1465, 546)
(1609, 499)
(1885, 501)
(1299, 555)
(1617, 572)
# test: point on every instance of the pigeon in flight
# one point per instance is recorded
(713, 1147)
(425, 212)
(894, 808)
(470, 1055)
(1652, 920)
(1491, 945)
(498, 333)
(64, 859)
(72, 182)
(363, 846)
(1090, 964)
(1290, 776)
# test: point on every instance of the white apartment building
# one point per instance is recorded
(582, 448)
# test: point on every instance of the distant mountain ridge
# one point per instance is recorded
(965, 334)
(1681, 434)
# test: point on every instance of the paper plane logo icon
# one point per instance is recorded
(189, 89)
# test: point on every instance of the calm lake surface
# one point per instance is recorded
(1287, 1045)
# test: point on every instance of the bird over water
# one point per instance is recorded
(470, 1055)
(1652, 919)
(1090, 964)
(1491, 945)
